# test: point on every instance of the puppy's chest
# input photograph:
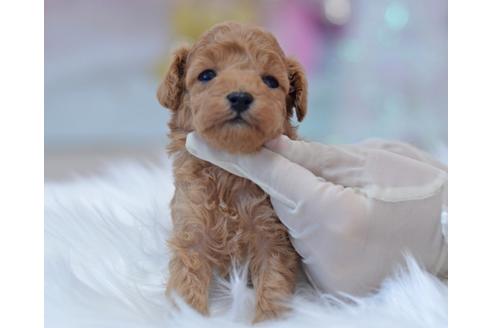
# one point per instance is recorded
(236, 197)
(239, 204)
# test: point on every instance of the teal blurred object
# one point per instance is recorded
(396, 15)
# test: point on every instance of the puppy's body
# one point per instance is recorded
(218, 217)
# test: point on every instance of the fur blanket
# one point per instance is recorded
(106, 266)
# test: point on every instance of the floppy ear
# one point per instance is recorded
(297, 97)
(172, 86)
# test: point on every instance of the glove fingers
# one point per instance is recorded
(277, 176)
(338, 164)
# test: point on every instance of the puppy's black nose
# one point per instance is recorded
(240, 101)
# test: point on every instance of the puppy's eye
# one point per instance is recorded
(270, 81)
(207, 75)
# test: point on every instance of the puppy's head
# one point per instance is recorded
(234, 87)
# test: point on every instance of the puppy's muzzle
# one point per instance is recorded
(240, 101)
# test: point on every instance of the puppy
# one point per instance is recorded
(236, 89)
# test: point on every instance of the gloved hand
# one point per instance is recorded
(352, 210)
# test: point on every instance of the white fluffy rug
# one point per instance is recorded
(106, 266)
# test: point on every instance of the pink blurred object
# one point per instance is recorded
(300, 29)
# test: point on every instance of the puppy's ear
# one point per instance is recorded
(297, 97)
(172, 86)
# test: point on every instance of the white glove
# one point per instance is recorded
(352, 210)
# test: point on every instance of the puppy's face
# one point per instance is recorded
(235, 88)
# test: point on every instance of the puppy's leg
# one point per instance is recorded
(190, 276)
(273, 268)
(190, 268)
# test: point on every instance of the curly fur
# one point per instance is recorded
(218, 217)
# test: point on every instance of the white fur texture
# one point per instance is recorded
(106, 266)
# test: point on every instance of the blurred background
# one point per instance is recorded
(375, 68)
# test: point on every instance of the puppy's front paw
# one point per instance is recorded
(191, 282)
(268, 312)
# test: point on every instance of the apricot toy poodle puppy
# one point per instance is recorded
(236, 89)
